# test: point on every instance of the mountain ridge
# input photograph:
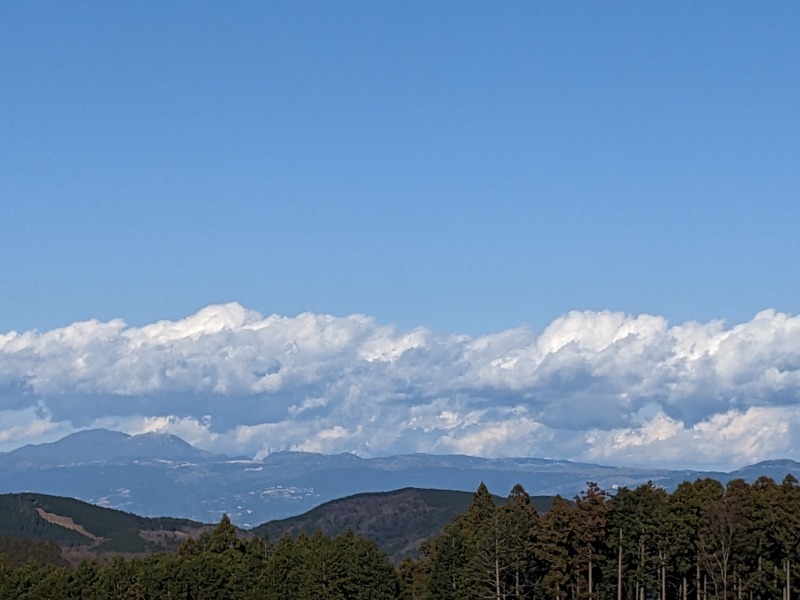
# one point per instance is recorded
(157, 474)
(81, 447)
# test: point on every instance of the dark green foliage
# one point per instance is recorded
(486, 553)
(397, 521)
(519, 522)
(128, 540)
(448, 577)
(36, 516)
(219, 565)
(18, 551)
(555, 549)
(703, 541)
(19, 518)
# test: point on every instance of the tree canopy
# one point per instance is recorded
(704, 541)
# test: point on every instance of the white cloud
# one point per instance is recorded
(602, 386)
(32, 424)
(721, 440)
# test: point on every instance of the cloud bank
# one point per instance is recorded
(597, 386)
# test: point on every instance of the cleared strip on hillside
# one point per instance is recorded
(66, 522)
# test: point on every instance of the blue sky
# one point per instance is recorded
(464, 166)
(470, 168)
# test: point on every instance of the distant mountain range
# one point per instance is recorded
(158, 474)
(101, 446)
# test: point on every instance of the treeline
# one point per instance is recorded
(219, 566)
(704, 541)
(19, 551)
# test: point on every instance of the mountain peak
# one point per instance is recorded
(90, 435)
(170, 447)
(98, 446)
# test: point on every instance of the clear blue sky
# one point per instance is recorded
(469, 166)
(478, 168)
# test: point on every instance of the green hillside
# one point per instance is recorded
(75, 524)
(398, 521)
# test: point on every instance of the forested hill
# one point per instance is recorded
(398, 521)
(704, 540)
(84, 527)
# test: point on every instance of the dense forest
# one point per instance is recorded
(703, 541)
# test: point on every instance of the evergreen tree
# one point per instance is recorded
(368, 572)
(286, 567)
(414, 575)
(325, 572)
(689, 502)
(486, 545)
(787, 532)
(556, 550)
(760, 553)
(519, 524)
(223, 538)
(590, 524)
(723, 518)
(449, 565)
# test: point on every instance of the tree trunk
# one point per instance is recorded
(497, 578)
(639, 586)
(725, 580)
(619, 567)
(697, 581)
(788, 578)
(705, 586)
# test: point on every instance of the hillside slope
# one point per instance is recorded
(82, 526)
(398, 521)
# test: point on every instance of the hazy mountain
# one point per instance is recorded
(101, 446)
(158, 474)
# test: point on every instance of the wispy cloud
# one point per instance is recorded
(600, 386)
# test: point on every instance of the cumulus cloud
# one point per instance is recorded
(601, 386)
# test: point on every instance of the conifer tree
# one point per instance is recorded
(414, 575)
(286, 567)
(759, 553)
(590, 523)
(556, 549)
(449, 565)
(519, 524)
(723, 519)
(487, 546)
